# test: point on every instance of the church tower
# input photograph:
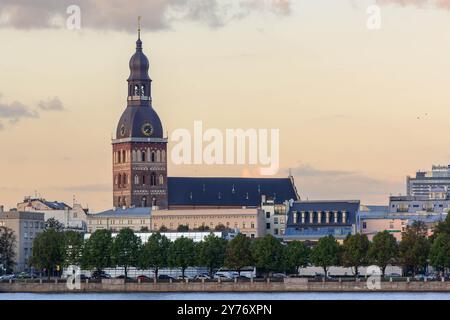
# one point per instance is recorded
(140, 149)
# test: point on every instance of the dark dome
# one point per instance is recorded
(139, 64)
(133, 120)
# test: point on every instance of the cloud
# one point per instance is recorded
(313, 183)
(121, 14)
(53, 104)
(16, 111)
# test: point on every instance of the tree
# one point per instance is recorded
(73, 248)
(52, 223)
(182, 254)
(355, 251)
(97, 251)
(414, 247)
(238, 254)
(443, 227)
(326, 253)
(440, 252)
(203, 228)
(211, 252)
(163, 228)
(48, 250)
(220, 227)
(296, 255)
(267, 254)
(125, 249)
(383, 250)
(183, 228)
(7, 252)
(154, 253)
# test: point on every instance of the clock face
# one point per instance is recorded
(147, 129)
(122, 130)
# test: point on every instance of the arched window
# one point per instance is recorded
(136, 90)
(161, 179)
(153, 156)
(139, 155)
(119, 180)
(133, 155)
(124, 179)
(118, 157)
(136, 179)
(118, 201)
(153, 179)
(163, 156)
(143, 179)
(158, 156)
(142, 90)
(143, 156)
(124, 158)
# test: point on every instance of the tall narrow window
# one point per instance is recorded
(153, 179)
(136, 179)
(144, 201)
(143, 179)
(153, 156)
(124, 158)
(143, 156)
(161, 179)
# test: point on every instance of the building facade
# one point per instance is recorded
(276, 216)
(73, 218)
(250, 222)
(425, 183)
(414, 204)
(26, 226)
(139, 149)
(371, 221)
(136, 219)
(311, 220)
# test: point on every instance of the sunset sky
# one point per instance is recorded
(357, 109)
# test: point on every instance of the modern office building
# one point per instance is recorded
(276, 216)
(26, 226)
(429, 183)
(311, 220)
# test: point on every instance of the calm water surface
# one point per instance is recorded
(230, 296)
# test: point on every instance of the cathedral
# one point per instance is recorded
(140, 161)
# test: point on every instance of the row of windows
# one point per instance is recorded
(35, 224)
(122, 202)
(122, 180)
(124, 222)
(211, 225)
(147, 155)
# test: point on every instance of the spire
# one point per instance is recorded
(139, 42)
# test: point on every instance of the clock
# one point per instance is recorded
(147, 129)
(122, 130)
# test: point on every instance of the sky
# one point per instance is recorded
(357, 109)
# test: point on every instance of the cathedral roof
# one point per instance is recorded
(235, 192)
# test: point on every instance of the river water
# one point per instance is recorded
(231, 296)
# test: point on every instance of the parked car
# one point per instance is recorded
(392, 275)
(165, 277)
(100, 275)
(279, 275)
(8, 277)
(143, 278)
(122, 276)
(226, 275)
(203, 276)
(23, 275)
